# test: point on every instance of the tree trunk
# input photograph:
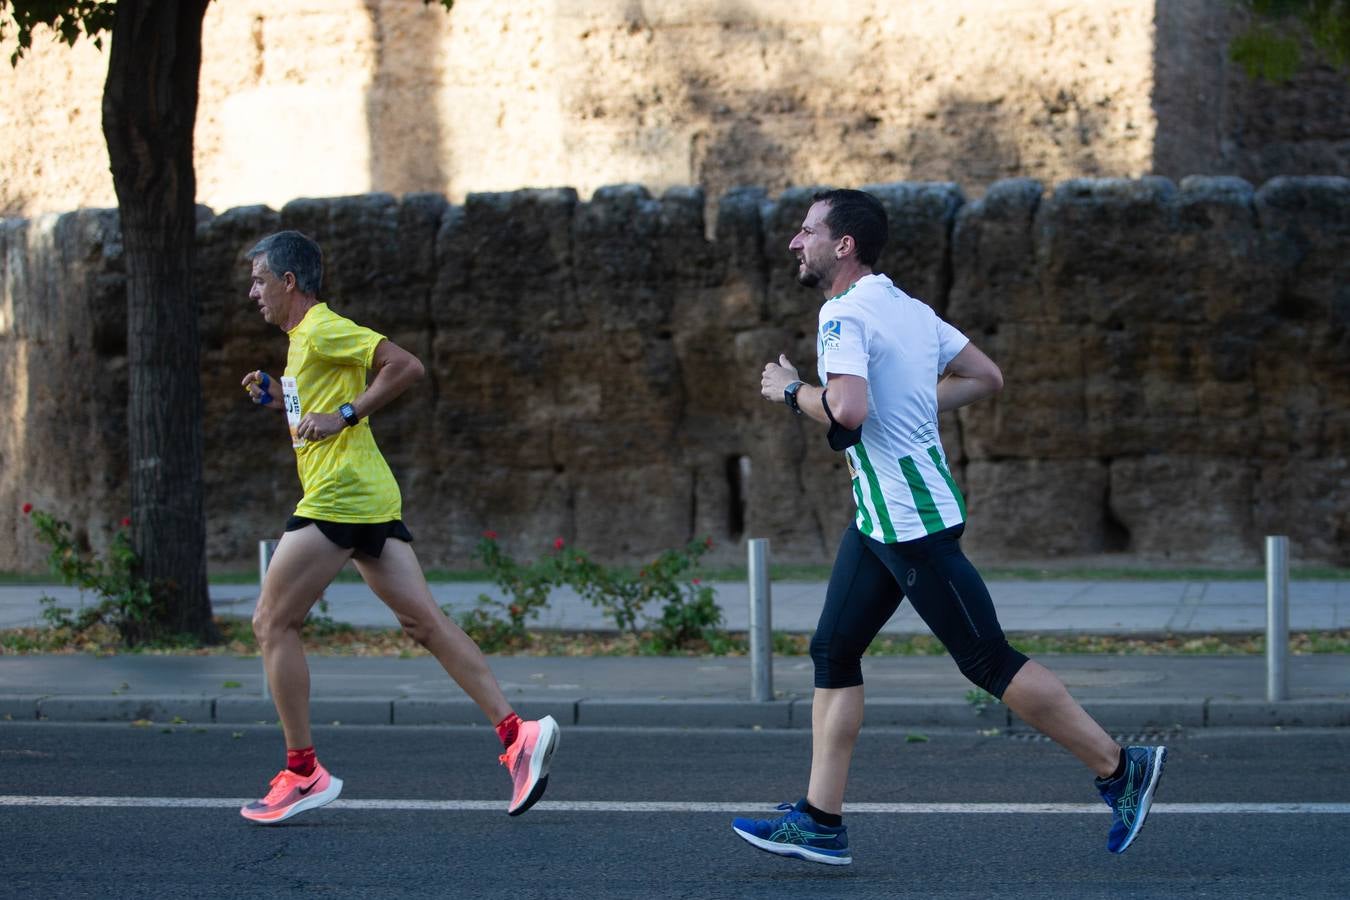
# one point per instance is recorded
(149, 110)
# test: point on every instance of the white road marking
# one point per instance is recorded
(602, 806)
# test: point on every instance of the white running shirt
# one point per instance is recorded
(901, 483)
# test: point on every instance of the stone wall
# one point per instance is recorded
(1177, 362)
(320, 98)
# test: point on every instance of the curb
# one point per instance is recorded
(1161, 714)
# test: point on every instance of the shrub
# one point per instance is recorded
(688, 608)
(126, 602)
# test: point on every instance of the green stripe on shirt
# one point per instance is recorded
(951, 482)
(864, 520)
(923, 498)
(878, 501)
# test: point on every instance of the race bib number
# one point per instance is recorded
(293, 410)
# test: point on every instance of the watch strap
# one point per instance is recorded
(348, 413)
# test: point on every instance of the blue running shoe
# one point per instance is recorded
(797, 834)
(1130, 795)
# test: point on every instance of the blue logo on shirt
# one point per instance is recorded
(830, 334)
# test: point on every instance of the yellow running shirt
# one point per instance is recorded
(344, 477)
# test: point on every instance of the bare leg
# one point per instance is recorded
(836, 719)
(1038, 696)
(397, 579)
(304, 564)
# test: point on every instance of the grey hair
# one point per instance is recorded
(291, 251)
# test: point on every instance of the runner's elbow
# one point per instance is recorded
(414, 371)
(994, 380)
(850, 413)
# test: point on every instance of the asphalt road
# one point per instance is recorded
(422, 815)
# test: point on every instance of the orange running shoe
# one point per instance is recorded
(291, 794)
(527, 760)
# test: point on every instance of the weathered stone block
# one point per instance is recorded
(994, 274)
(1036, 508)
(1186, 507)
(917, 255)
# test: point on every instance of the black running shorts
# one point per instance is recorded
(364, 538)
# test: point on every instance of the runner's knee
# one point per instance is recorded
(266, 624)
(990, 664)
(270, 620)
(416, 628)
(838, 660)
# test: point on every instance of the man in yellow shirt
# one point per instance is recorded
(351, 509)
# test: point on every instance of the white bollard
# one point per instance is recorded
(265, 551)
(1277, 617)
(761, 634)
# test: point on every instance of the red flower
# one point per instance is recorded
(27, 508)
(126, 521)
(694, 581)
(490, 535)
(557, 543)
(515, 610)
(708, 543)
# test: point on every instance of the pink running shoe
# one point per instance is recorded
(291, 794)
(527, 760)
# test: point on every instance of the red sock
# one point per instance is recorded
(302, 761)
(507, 729)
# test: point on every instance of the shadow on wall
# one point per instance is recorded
(1188, 87)
(781, 135)
(403, 121)
(1212, 119)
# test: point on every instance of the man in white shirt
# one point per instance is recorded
(887, 366)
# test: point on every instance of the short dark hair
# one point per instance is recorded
(291, 251)
(859, 215)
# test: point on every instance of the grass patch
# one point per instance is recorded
(328, 639)
(22, 578)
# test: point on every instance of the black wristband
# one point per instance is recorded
(790, 396)
(348, 413)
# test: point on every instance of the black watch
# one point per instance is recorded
(348, 413)
(790, 396)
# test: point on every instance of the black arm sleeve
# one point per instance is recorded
(840, 438)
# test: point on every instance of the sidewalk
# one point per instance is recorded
(1092, 607)
(1125, 693)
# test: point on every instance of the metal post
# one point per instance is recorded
(1277, 617)
(265, 551)
(761, 635)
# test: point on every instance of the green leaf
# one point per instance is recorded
(1272, 46)
(67, 18)
(1264, 54)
